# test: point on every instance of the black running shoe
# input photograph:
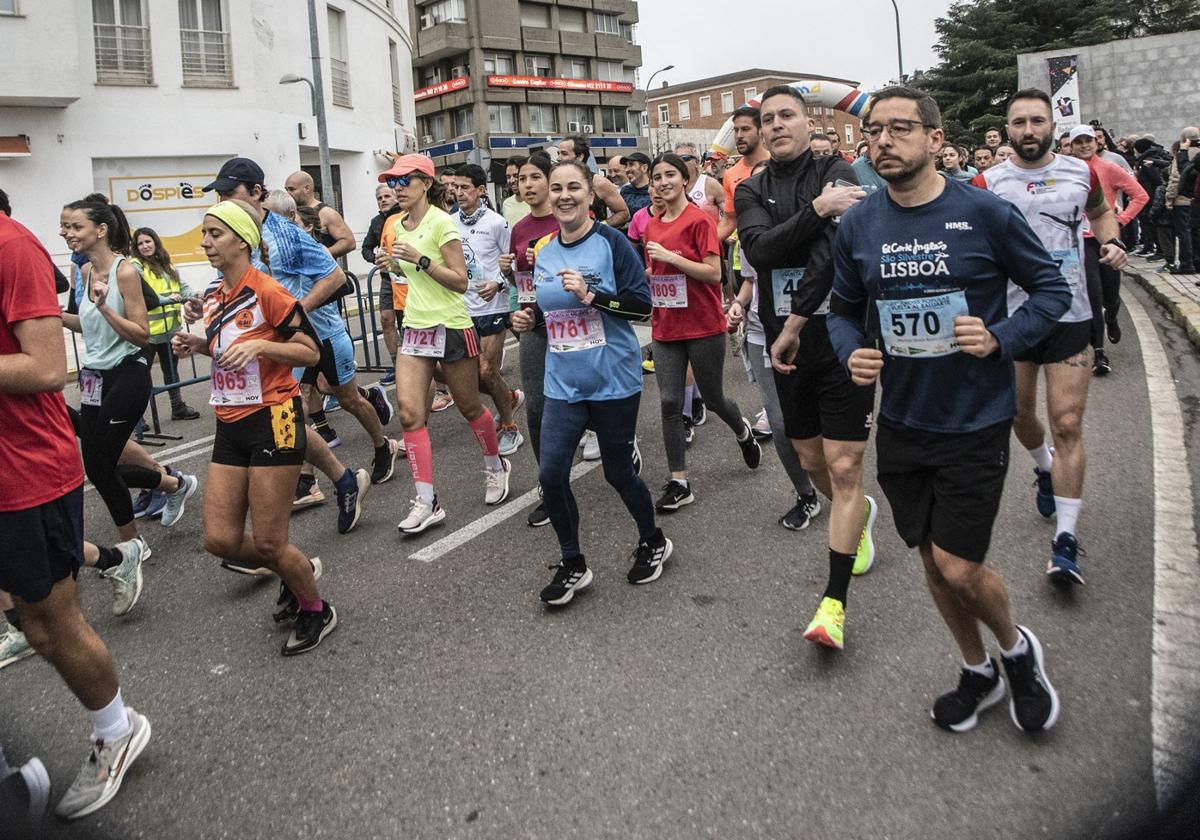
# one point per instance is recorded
(384, 465)
(330, 436)
(959, 710)
(648, 559)
(1113, 328)
(1034, 702)
(674, 496)
(699, 412)
(802, 515)
(689, 430)
(350, 502)
(751, 451)
(567, 581)
(1101, 366)
(538, 516)
(311, 628)
(245, 568)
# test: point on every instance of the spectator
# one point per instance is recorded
(984, 157)
(615, 170)
(1150, 164)
(1179, 197)
(992, 137)
(165, 320)
(954, 163)
(820, 144)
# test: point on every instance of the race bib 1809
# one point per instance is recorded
(235, 387)
(569, 330)
(429, 342)
(921, 327)
(669, 291)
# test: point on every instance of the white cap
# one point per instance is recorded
(1082, 131)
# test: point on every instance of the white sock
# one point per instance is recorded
(984, 670)
(1019, 649)
(682, 481)
(493, 463)
(111, 722)
(689, 393)
(1068, 514)
(1043, 457)
(424, 491)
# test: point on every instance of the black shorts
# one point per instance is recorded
(1061, 343)
(818, 398)
(42, 545)
(385, 293)
(460, 344)
(944, 488)
(494, 324)
(273, 436)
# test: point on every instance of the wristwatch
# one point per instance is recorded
(424, 262)
(1117, 242)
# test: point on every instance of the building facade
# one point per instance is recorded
(143, 99)
(693, 112)
(497, 78)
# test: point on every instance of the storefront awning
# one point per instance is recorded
(14, 147)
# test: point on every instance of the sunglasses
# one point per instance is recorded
(402, 181)
(686, 158)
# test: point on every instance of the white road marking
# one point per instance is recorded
(1175, 678)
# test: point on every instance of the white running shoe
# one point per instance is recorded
(104, 769)
(126, 576)
(495, 483)
(422, 515)
(14, 647)
(173, 510)
(591, 446)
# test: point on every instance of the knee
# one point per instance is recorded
(812, 462)
(1067, 427)
(672, 404)
(388, 320)
(222, 545)
(40, 635)
(486, 368)
(845, 472)
(960, 576)
(552, 476)
(411, 417)
(270, 547)
(617, 472)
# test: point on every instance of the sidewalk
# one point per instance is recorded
(1179, 293)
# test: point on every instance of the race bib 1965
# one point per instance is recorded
(669, 291)
(569, 330)
(921, 327)
(235, 387)
(429, 342)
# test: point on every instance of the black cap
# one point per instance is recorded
(636, 157)
(236, 171)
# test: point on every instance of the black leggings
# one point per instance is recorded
(104, 430)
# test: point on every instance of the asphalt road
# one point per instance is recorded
(451, 704)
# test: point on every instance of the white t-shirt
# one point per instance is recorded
(482, 244)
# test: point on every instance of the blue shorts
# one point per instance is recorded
(336, 362)
(492, 324)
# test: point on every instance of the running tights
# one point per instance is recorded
(760, 370)
(707, 357)
(105, 428)
(532, 347)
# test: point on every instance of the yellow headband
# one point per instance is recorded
(238, 220)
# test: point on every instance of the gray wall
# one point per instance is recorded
(1137, 86)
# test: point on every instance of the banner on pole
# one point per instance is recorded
(1064, 92)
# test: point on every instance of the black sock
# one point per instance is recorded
(840, 566)
(109, 557)
(11, 617)
(318, 420)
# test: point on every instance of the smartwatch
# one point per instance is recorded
(424, 263)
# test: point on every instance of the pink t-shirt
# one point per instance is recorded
(637, 225)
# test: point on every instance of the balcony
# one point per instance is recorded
(578, 43)
(441, 41)
(206, 58)
(339, 81)
(627, 9)
(537, 39)
(123, 54)
(614, 46)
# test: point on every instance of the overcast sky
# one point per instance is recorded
(855, 40)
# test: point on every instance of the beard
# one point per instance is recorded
(908, 168)
(1043, 146)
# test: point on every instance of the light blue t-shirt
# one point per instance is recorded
(299, 262)
(103, 348)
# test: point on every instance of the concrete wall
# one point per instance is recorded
(1137, 86)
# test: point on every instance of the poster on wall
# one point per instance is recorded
(1064, 92)
(165, 194)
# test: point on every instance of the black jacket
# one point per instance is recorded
(778, 228)
(375, 236)
(1151, 167)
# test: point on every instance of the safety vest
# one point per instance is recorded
(166, 319)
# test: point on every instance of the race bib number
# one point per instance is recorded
(784, 283)
(921, 327)
(91, 387)
(235, 387)
(429, 342)
(569, 330)
(525, 288)
(669, 291)
(1068, 265)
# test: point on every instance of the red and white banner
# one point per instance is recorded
(441, 88)
(545, 83)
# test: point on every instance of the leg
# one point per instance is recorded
(490, 380)
(166, 363)
(707, 356)
(1066, 398)
(1181, 215)
(1091, 267)
(967, 593)
(352, 401)
(801, 483)
(1110, 292)
(564, 425)
(615, 424)
(848, 516)
(811, 453)
(532, 349)
(670, 368)
(1026, 425)
(105, 429)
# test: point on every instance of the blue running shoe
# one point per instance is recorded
(141, 503)
(1045, 492)
(1064, 566)
(388, 378)
(331, 404)
(158, 502)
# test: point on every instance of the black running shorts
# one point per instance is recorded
(1060, 344)
(273, 436)
(818, 398)
(42, 545)
(944, 488)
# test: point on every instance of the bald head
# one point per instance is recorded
(300, 187)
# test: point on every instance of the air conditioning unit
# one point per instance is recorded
(588, 128)
(573, 126)
(427, 140)
(458, 72)
(427, 21)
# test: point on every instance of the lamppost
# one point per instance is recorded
(317, 86)
(655, 73)
(899, 50)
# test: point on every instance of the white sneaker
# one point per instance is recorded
(173, 510)
(126, 577)
(104, 769)
(422, 515)
(591, 446)
(495, 483)
(14, 647)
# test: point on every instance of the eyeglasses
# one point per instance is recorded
(896, 128)
(402, 181)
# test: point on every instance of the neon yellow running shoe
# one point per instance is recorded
(826, 626)
(864, 558)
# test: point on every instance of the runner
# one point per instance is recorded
(785, 225)
(1055, 193)
(514, 208)
(385, 199)
(705, 192)
(635, 192)
(335, 233)
(688, 325)
(425, 244)
(935, 258)
(592, 375)
(41, 503)
(747, 139)
(485, 236)
(256, 332)
(608, 199)
(1003, 152)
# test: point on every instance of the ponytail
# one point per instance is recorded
(100, 211)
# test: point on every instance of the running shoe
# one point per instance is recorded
(567, 581)
(689, 430)
(287, 605)
(864, 557)
(518, 399)
(24, 794)
(958, 710)
(1033, 701)
(699, 411)
(441, 401)
(648, 559)
(388, 378)
(310, 629)
(246, 568)
(104, 770)
(1064, 560)
(591, 446)
(173, 509)
(13, 647)
(377, 397)
(826, 627)
(802, 515)
(495, 483)
(1045, 492)
(510, 439)
(637, 457)
(331, 404)
(126, 576)
(142, 503)
(422, 515)
(647, 366)
(330, 436)
(350, 502)
(675, 496)
(1101, 366)
(762, 426)
(751, 451)
(158, 501)
(538, 516)
(308, 492)
(1113, 328)
(384, 465)
(183, 411)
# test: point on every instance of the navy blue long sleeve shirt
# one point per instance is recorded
(902, 274)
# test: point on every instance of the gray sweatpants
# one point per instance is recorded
(707, 357)
(760, 372)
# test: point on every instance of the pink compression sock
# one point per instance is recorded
(315, 605)
(420, 455)
(484, 428)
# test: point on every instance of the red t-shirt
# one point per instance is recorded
(693, 235)
(39, 461)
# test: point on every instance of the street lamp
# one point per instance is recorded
(650, 83)
(317, 86)
(899, 50)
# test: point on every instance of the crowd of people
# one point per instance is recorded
(912, 266)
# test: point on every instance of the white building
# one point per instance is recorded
(143, 99)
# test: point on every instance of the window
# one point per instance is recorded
(685, 110)
(122, 36)
(204, 37)
(498, 64)
(706, 106)
(614, 119)
(627, 32)
(432, 129)
(643, 118)
(8, 7)
(502, 118)
(571, 20)
(580, 115)
(610, 71)
(727, 102)
(430, 75)
(849, 134)
(543, 119)
(397, 99)
(463, 120)
(664, 114)
(607, 24)
(339, 67)
(538, 65)
(575, 68)
(750, 93)
(443, 11)
(534, 14)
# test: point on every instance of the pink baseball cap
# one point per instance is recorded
(406, 165)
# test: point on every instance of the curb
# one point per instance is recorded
(1183, 308)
